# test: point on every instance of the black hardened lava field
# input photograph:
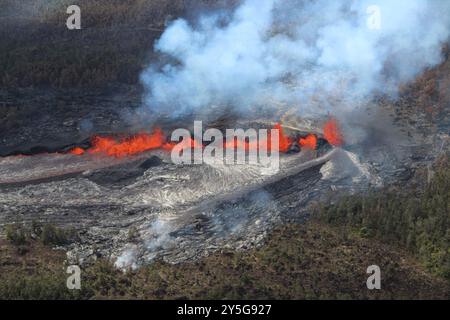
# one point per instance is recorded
(218, 149)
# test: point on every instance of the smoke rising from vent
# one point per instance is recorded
(319, 56)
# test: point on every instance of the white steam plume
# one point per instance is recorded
(318, 55)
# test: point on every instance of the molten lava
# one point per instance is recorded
(141, 142)
(332, 132)
(119, 148)
(284, 142)
(77, 151)
(309, 142)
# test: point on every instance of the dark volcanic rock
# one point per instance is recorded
(149, 163)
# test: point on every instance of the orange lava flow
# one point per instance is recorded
(284, 142)
(309, 142)
(332, 132)
(120, 148)
(141, 142)
(77, 151)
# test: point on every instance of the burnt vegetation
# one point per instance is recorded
(114, 45)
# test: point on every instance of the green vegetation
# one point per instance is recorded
(312, 261)
(48, 234)
(133, 234)
(52, 235)
(418, 222)
(16, 234)
(406, 233)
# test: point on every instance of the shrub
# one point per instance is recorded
(16, 234)
(52, 235)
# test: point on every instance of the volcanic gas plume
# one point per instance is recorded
(316, 57)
